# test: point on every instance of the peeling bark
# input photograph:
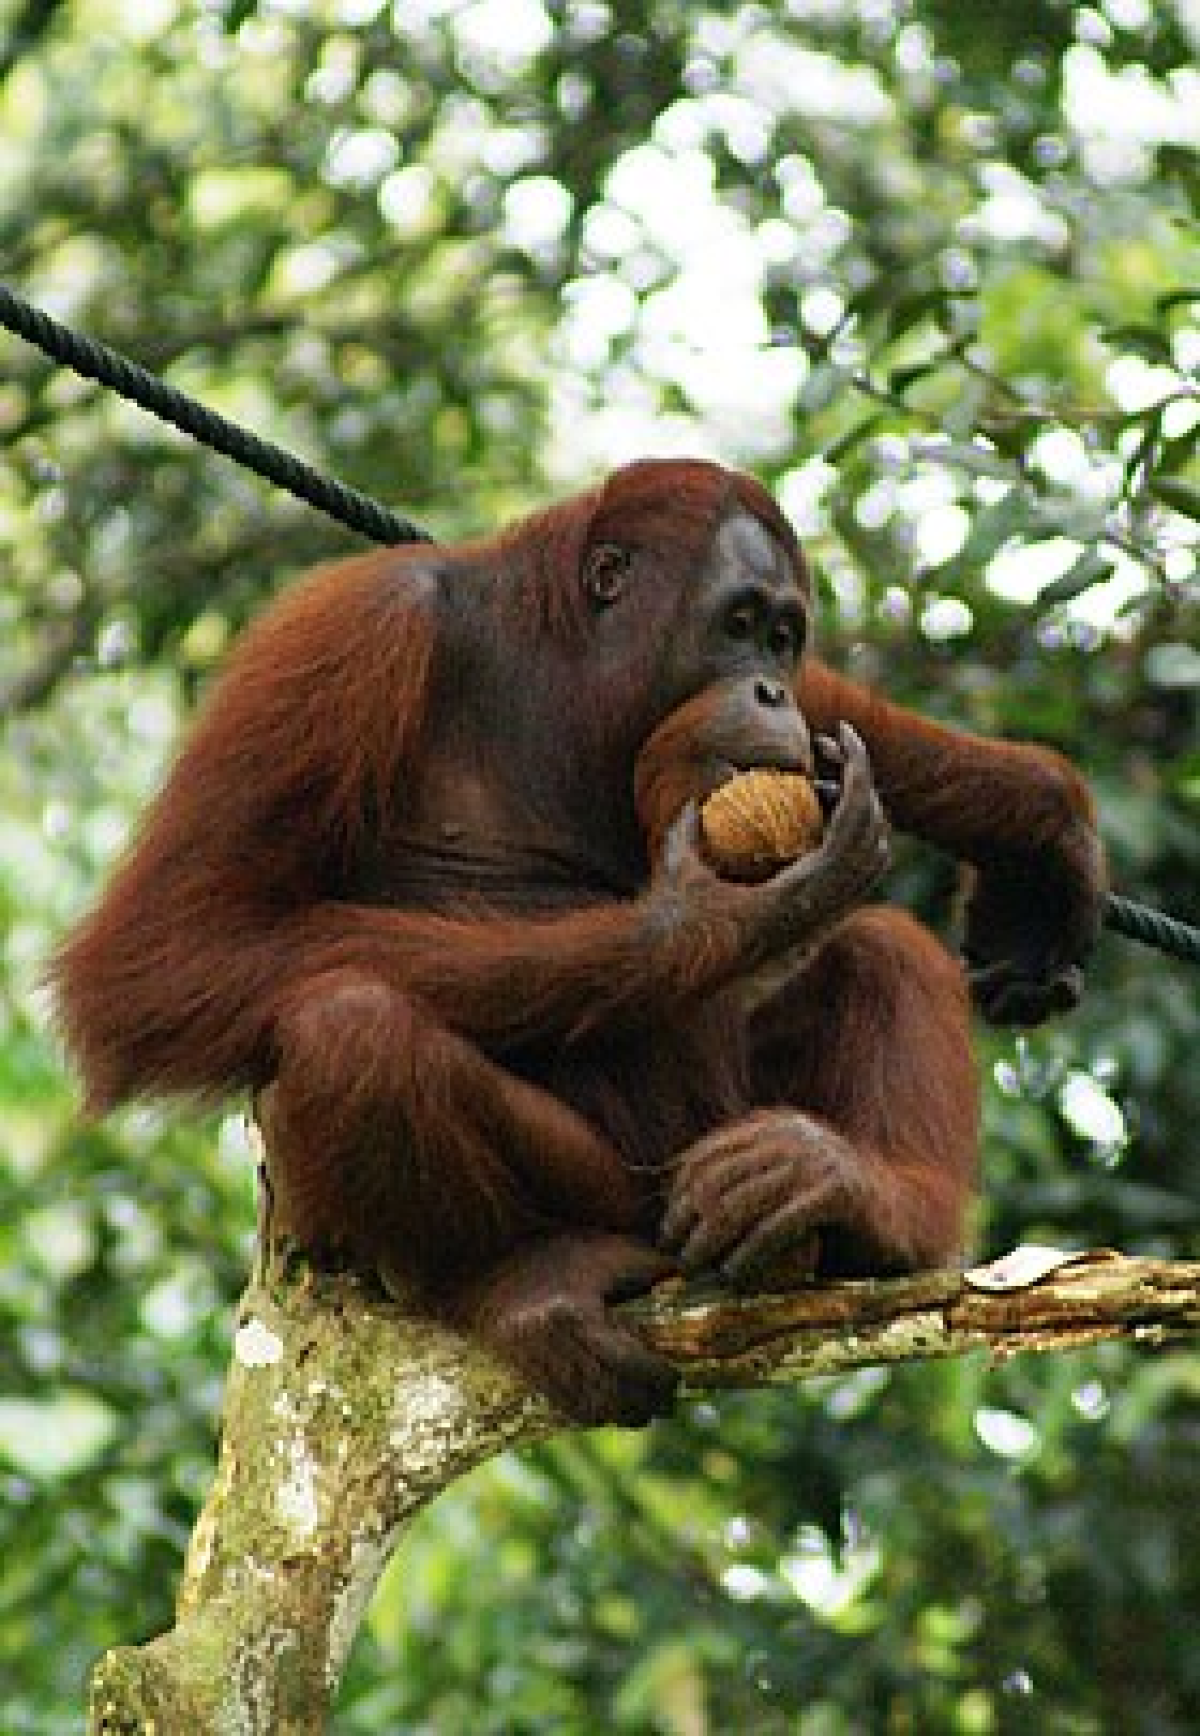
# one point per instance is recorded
(342, 1419)
(344, 1416)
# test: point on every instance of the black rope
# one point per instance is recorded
(96, 361)
(1152, 927)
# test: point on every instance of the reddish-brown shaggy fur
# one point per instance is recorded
(397, 876)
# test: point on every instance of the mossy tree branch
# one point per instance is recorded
(344, 1416)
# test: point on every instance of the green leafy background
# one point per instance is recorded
(929, 269)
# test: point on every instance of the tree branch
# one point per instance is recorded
(344, 1416)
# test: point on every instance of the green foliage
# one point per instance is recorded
(932, 271)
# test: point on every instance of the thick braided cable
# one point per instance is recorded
(1152, 927)
(97, 362)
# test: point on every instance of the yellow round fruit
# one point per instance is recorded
(758, 821)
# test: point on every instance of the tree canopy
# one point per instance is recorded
(931, 271)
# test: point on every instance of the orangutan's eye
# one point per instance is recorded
(606, 574)
(785, 641)
(741, 622)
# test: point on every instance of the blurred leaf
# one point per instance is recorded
(1176, 298)
(900, 379)
(976, 460)
(909, 310)
(1091, 568)
(1173, 666)
(54, 1437)
(995, 525)
(1181, 496)
(852, 437)
(825, 381)
(1146, 341)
